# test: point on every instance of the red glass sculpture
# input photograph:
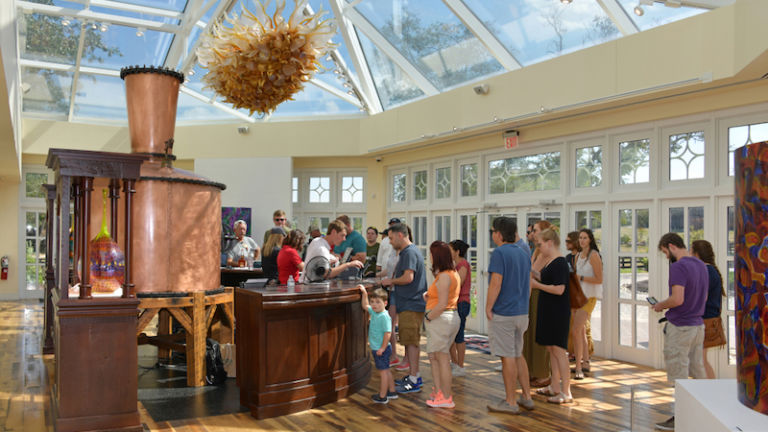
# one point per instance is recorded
(106, 259)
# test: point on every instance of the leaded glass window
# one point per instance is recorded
(589, 167)
(537, 172)
(742, 135)
(686, 156)
(420, 185)
(319, 189)
(468, 180)
(634, 161)
(33, 186)
(295, 190)
(398, 187)
(351, 189)
(443, 182)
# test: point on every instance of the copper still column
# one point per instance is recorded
(177, 214)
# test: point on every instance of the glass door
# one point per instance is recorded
(630, 269)
(724, 360)
(33, 250)
(592, 217)
(467, 231)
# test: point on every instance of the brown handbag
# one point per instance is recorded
(714, 334)
(576, 294)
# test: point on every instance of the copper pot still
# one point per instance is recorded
(176, 213)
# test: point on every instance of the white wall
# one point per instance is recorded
(263, 184)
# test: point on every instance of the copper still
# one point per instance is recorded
(177, 214)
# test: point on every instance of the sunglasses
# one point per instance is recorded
(279, 219)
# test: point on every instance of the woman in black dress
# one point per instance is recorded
(270, 252)
(554, 314)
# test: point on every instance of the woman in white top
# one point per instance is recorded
(589, 267)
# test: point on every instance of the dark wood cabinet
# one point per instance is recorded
(299, 348)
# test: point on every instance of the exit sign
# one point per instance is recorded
(510, 139)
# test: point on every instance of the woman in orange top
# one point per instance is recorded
(442, 322)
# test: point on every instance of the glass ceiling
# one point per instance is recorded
(389, 52)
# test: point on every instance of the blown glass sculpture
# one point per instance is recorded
(106, 259)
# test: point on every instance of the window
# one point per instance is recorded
(443, 183)
(537, 172)
(742, 135)
(319, 189)
(634, 161)
(686, 156)
(351, 189)
(592, 219)
(468, 180)
(589, 166)
(321, 222)
(357, 224)
(35, 248)
(33, 187)
(420, 185)
(419, 230)
(443, 228)
(398, 188)
(294, 190)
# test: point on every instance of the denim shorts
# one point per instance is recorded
(463, 308)
(382, 361)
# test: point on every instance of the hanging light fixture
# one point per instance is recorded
(639, 10)
(566, 1)
(140, 31)
(104, 27)
(65, 21)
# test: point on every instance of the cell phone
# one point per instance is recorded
(652, 300)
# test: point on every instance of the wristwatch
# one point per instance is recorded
(426, 317)
(581, 278)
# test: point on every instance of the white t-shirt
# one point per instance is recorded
(318, 247)
(385, 250)
(244, 247)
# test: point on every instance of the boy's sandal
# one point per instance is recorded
(546, 391)
(560, 399)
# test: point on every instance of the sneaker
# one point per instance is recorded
(392, 395)
(503, 406)
(378, 399)
(408, 386)
(497, 368)
(459, 372)
(401, 381)
(667, 425)
(441, 401)
(401, 366)
(525, 403)
(394, 362)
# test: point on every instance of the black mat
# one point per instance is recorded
(164, 393)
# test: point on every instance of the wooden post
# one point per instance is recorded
(114, 196)
(77, 229)
(63, 184)
(85, 282)
(196, 341)
(128, 191)
(50, 195)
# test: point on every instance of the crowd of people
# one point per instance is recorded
(533, 324)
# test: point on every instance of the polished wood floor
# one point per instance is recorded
(602, 401)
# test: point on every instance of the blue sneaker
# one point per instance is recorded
(401, 381)
(408, 386)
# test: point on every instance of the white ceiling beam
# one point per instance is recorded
(701, 4)
(111, 4)
(366, 86)
(195, 10)
(219, 105)
(89, 15)
(76, 76)
(191, 57)
(393, 53)
(619, 16)
(68, 68)
(488, 39)
(336, 92)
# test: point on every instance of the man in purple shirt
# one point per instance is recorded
(684, 331)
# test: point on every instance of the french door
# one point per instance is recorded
(33, 249)
(591, 217)
(724, 360)
(468, 232)
(628, 284)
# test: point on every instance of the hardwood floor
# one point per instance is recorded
(602, 400)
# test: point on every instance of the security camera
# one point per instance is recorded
(481, 89)
(243, 130)
(378, 159)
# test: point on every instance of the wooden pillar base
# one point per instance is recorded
(95, 345)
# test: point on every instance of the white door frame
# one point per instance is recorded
(24, 293)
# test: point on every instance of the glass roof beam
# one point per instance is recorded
(76, 75)
(111, 4)
(218, 105)
(89, 15)
(189, 62)
(390, 51)
(68, 68)
(619, 17)
(367, 88)
(481, 32)
(336, 92)
(707, 4)
(194, 11)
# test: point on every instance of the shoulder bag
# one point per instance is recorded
(576, 294)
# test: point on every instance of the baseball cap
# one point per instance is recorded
(277, 230)
(394, 221)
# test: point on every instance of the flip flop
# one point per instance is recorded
(546, 391)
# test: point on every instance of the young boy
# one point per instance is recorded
(379, 331)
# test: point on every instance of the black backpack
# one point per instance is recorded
(214, 367)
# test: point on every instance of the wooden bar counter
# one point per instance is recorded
(300, 347)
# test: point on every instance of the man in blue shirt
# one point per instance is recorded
(354, 240)
(507, 311)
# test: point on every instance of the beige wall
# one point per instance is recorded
(9, 237)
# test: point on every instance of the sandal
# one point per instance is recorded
(546, 391)
(578, 375)
(585, 366)
(560, 399)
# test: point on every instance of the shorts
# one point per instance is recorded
(463, 309)
(441, 331)
(684, 352)
(409, 327)
(382, 361)
(505, 335)
(589, 306)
